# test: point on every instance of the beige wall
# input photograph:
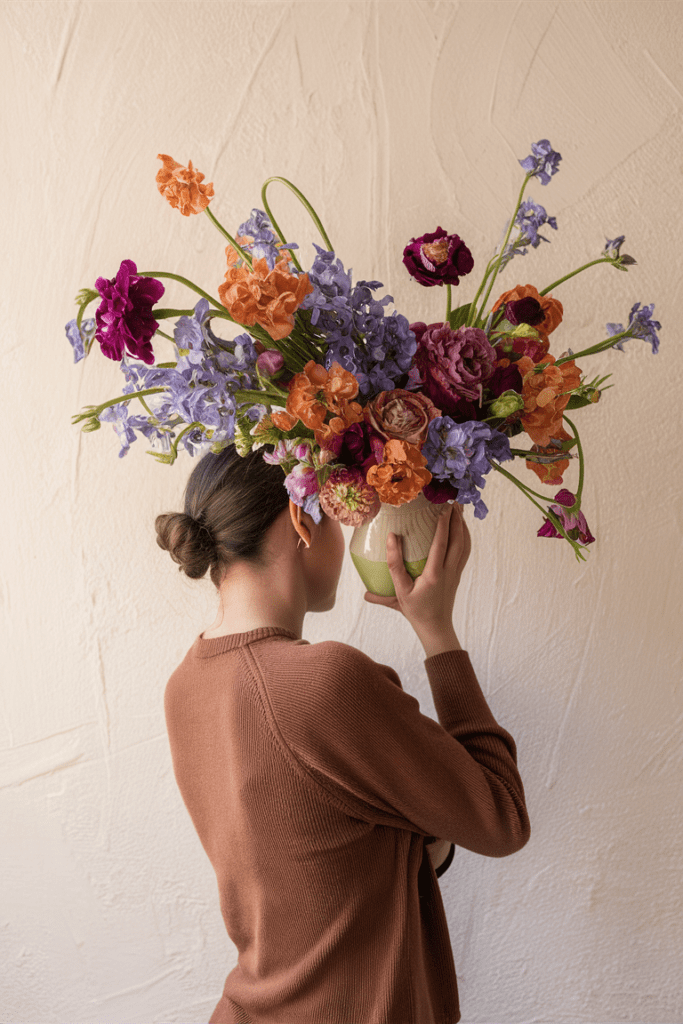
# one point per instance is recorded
(392, 117)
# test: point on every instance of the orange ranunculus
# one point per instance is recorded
(402, 474)
(316, 391)
(182, 186)
(341, 386)
(552, 308)
(262, 296)
(544, 402)
(549, 472)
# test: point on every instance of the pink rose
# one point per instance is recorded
(401, 415)
(454, 365)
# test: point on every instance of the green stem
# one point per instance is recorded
(448, 303)
(543, 497)
(95, 410)
(577, 504)
(304, 201)
(603, 259)
(253, 397)
(601, 346)
(507, 238)
(167, 314)
(181, 435)
(473, 305)
(547, 513)
(188, 284)
(164, 335)
(236, 246)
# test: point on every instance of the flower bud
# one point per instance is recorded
(270, 362)
(506, 404)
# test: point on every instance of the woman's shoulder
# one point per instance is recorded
(333, 661)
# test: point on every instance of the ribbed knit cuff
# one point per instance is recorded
(455, 689)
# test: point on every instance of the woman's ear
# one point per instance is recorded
(296, 515)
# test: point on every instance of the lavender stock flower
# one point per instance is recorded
(80, 338)
(530, 217)
(264, 245)
(543, 162)
(376, 347)
(461, 453)
(640, 325)
(612, 250)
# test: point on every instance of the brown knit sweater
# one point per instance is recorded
(314, 782)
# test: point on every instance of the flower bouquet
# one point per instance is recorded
(361, 409)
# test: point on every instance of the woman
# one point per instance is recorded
(313, 780)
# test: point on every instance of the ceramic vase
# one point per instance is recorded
(415, 521)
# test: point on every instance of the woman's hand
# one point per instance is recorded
(427, 602)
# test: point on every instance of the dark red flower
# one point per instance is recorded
(524, 311)
(124, 317)
(454, 365)
(361, 446)
(437, 258)
(505, 378)
(574, 523)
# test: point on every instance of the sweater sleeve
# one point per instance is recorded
(350, 726)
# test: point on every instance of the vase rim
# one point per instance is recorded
(408, 506)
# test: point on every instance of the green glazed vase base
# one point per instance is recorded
(376, 575)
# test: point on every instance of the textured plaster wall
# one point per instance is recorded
(392, 117)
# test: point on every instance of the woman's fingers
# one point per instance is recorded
(402, 580)
(440, 544)
(388, 602)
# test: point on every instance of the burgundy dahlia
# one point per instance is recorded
(124, 317)
(437, 258)
(454, 365)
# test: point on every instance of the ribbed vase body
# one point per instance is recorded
(415, 521)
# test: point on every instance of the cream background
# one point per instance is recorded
(392, 117)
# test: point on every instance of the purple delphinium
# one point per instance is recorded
(543, 161)
(530, 217)
(612, 250)
(640, 325)
(264, 244)
(126, 426)
(124, 317)
(575, 523)
(376, 347)
(199, 388)
(437, 258)
(460, 454)
(80, 338)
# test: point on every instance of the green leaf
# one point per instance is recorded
(578, 402)
(459, 316)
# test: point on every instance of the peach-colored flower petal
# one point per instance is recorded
(182, 186)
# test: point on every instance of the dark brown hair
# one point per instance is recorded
(230, 504)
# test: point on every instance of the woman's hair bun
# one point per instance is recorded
(188, 542)
(231, 501)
